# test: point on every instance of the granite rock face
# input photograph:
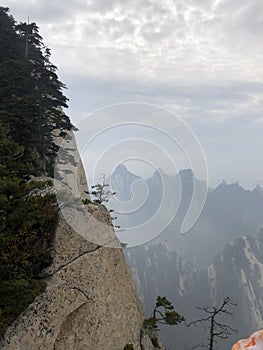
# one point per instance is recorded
(90, 302)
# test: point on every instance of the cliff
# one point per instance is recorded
(236, 272)
(89, 301)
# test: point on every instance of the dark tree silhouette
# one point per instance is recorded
(163, 313)
(217, 329)
(31, 115)
(100, 192)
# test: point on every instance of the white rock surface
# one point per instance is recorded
(90, 302)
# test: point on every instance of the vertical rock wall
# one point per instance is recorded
(90, 302)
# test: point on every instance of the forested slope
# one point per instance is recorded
(31, 102)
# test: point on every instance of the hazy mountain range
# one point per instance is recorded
(222, 255)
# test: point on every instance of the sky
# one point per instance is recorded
(201, 60)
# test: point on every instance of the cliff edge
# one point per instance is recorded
(89, 301)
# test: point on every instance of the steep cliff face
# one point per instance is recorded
(90, 301)
(159, 270)
(238, 272)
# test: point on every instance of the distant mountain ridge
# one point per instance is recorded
(230, 211)
(222, 255)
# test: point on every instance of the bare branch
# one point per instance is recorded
(217, 330)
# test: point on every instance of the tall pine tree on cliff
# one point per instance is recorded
(31, 102)
(31, 94)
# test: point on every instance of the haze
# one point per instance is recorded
(199, 59)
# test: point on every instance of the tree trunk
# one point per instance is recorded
(211, 340)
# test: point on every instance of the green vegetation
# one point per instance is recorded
(163, 313)
(99, 192)
(31, 94)
(100, 195)
(128, 347)
(31, 102)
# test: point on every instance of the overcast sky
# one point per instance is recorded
(201, 59)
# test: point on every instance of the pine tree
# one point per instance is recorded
(163, 313)
(31, 102)
(8, 38)
(31, 94)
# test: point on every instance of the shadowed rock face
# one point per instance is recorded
(89, 302)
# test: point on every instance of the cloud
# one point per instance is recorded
(182, 40)
(202, 60)
(44, 12)
(204, 103)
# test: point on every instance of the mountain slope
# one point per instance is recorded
(236, 272)
(89, 300)
(229, 212)
(61, 288)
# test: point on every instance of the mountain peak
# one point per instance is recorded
(121, 168)
(223, 186)
(158, 173)
(258, 188)
(186, 174)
